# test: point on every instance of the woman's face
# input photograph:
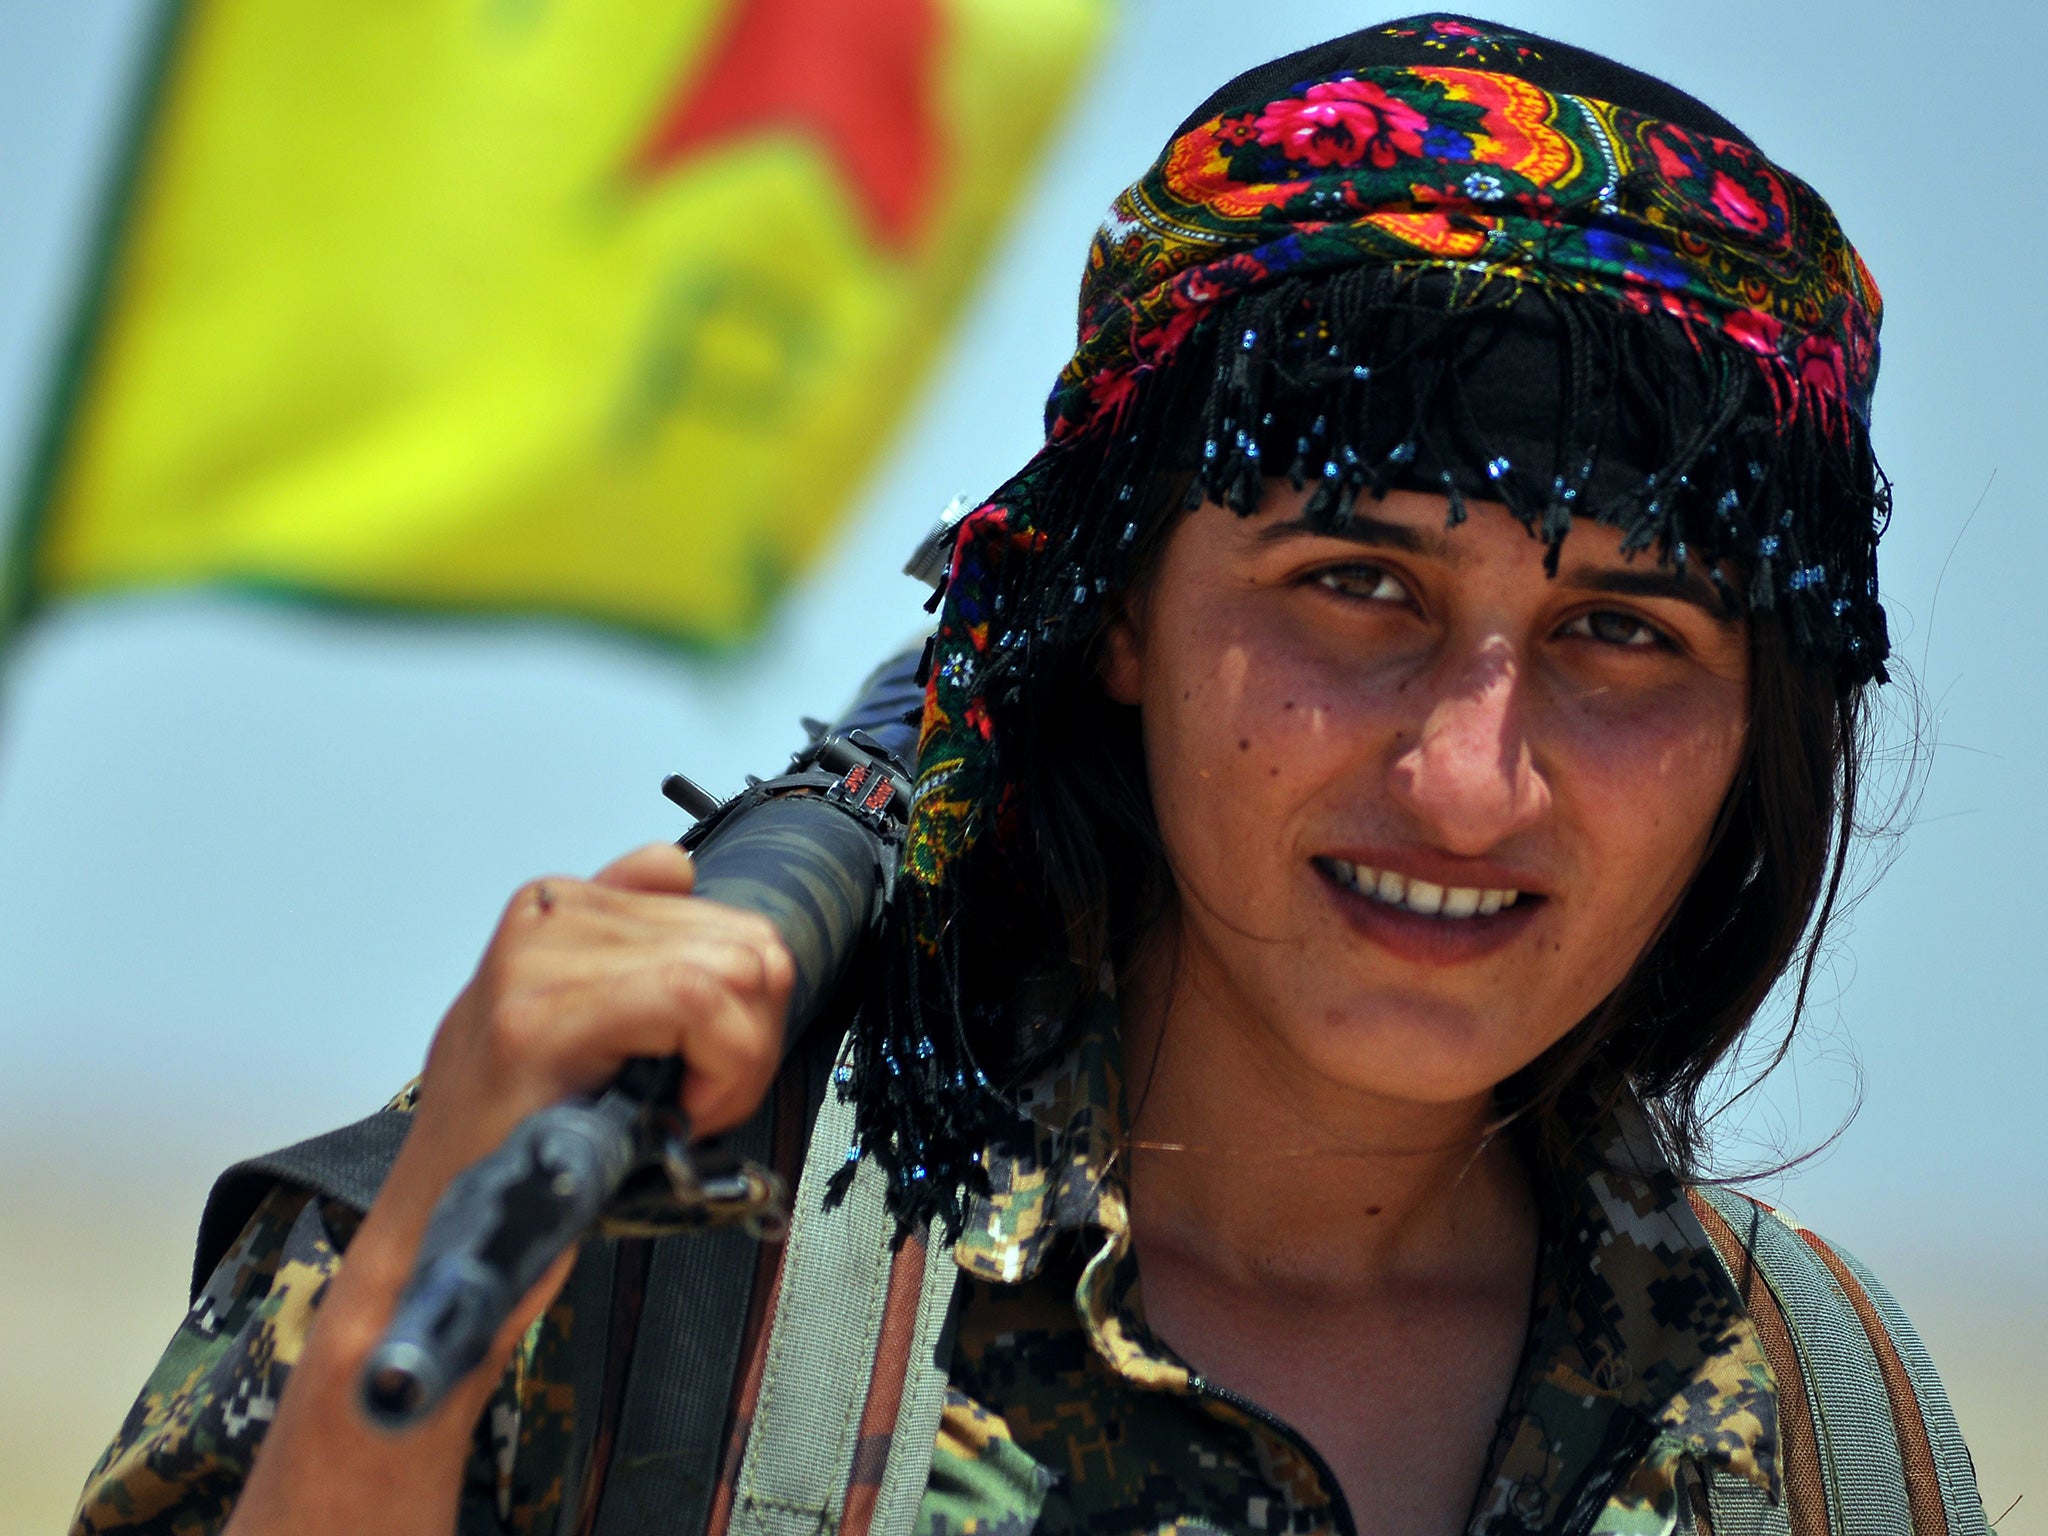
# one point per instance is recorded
(1424, 805)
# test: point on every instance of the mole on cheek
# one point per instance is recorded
(1244, 743)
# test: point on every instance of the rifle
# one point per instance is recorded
(814, 851)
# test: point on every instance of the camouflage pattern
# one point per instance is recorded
(178, 1464)
(528, 1429)
(982, 1482)
(1065, 1414)
(179, 1461)
(183, 1451)
(1643, 1370)
(1644, 1348)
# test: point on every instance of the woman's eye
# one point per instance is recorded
(1611, 627)
(1368, 583)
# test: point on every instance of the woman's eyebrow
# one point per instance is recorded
(1688, 586)
(1358, 528)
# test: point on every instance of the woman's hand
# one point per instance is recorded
(582, 975)
(579, 977)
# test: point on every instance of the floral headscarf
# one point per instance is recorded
(1357, 266)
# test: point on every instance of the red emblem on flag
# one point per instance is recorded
(855, 76)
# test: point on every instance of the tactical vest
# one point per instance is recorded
(739, 1389)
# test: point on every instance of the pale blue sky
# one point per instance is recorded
(247, 853)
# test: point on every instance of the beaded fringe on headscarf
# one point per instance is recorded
(1359, 383)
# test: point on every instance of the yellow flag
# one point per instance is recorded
(598, 309)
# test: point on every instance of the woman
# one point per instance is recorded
(1376, 760)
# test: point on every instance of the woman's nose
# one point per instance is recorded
(1469, 777)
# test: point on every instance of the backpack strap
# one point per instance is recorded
(927, 1372)
(838, 1410)
(1960, 1499)
(665, 1343)
(1736, 1506)
(347, 1165)
(676, 1341)
(1868, 1443)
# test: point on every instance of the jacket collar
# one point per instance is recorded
(1640, 1341)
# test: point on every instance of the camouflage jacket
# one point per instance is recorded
(1065, 1413)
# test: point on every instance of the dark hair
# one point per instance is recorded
(1758, 906)
(1563, 399)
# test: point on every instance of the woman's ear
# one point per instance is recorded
(1123, 670)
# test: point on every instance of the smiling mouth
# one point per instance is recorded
(1425, 899)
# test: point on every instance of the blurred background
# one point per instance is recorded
(339, 352)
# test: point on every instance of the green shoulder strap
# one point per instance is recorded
(854, 1375)
(1866, 1409)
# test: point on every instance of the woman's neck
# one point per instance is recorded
(1268, 1174)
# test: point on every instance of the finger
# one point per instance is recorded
(572, 1016)
(657, 917)
(535, 899)
(749, 968)
(574, 913)
(708, 1006)
(645, 882)
(658, 867)
(730, 1052)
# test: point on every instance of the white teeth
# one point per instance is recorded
(1420, 896)
(1425, 898)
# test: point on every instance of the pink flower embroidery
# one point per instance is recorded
(1820, 365)
(1859, 345)
(1672, 165)
(1110, 391)
(1755, 330)
(1737, 206)
(1680, 308)
(1164, 340)
(1341, 122)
